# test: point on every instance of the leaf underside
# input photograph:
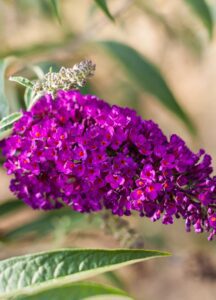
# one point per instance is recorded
(75, 291)
(52, 269)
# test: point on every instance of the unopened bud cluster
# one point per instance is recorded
(65, 79)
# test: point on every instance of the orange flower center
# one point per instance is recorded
(81, 153)
(151, 188)
(37, 134)
(139, 192)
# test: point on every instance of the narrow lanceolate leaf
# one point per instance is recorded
(56, 10)
(9, 120)
(202, 10)
(6, 124)
(10, 206)
(75, 291)
(28, 96)
(45, 223)
(4, 107)
(22, 80)
(147, 77)
(53, 269)
(103, 5)
(5, 133)
(34, 99)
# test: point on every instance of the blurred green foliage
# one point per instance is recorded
(103, 5)
(201, 8)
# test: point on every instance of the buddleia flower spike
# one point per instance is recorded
(78, 150)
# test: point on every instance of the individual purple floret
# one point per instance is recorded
(80, 151)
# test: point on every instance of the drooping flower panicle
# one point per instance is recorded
(80, 151)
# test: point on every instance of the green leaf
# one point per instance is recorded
(9, 120)
(45, 223)
(76, 291)
(147, 77)
(4, 107)
(10, 206)
(5, 133)
(28, 96)
(22, 80)
(103, 5)
(56, 10)
(6, 124)
(52, 269)
(202, 10)
(115, 279)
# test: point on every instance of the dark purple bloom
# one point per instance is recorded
(115, 180)
(137, 194)
(212, 220)
(81, 151)
(152, 190)
(148, 173)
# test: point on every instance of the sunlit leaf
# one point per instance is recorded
(4, 106)
(9, 120)
(147, 77)
(6, 124)
(22, 80)
(76, 291)
(202, 10)
(36, 272)
(28, 96)
(103, 5)
(34, 99)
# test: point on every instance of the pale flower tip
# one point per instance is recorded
(66, 79)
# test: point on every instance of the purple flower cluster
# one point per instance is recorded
(80, 151)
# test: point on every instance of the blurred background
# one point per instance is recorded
(157, 57)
